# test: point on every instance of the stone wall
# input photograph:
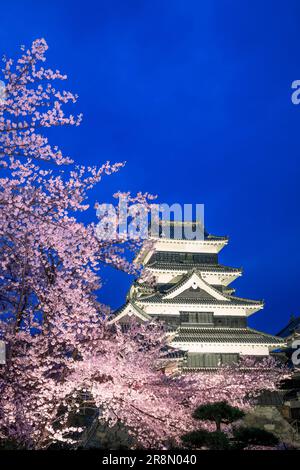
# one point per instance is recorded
(271, 419)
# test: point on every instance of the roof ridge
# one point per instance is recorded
(181, 282)
(187, 276)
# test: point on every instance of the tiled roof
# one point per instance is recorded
(224, 335)
(188, 266)
(169, 225)
(174, 354)
(134, 306)
(224, 289)
(157, 299)
(291, 327)
(199, 293)
(181, 282)
(209, 236)
(271, 398)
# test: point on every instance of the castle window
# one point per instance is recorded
(198, 360)
(201, 318)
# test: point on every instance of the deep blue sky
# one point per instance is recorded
(195, 96)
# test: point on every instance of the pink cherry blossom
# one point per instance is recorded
(54, 325)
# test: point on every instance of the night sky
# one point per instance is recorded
(196, 97)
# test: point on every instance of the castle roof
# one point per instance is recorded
(193, 289)
(169, 266)
(292, 327)
(224, 335)
(175, 230)
(158, 299)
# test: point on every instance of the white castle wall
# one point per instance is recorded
(231, 348)
(164, 277)
(169, 309)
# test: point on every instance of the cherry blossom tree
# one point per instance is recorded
(122, 373)
(54, 325)
(50, 262)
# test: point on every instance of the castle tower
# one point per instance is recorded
(193, 296)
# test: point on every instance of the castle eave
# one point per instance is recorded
(225, 335)
(217, 268)
(157, 299)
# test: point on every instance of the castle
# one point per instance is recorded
(192, 294)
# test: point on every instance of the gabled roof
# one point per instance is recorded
(163, 288)
(194, 280)
(193, 289)
(130, 309)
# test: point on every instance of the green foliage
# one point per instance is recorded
(196, 438)
(252, 436)
(10, 444)
(223, 413)
(218, 412)
(212, 440)
(218, 441)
